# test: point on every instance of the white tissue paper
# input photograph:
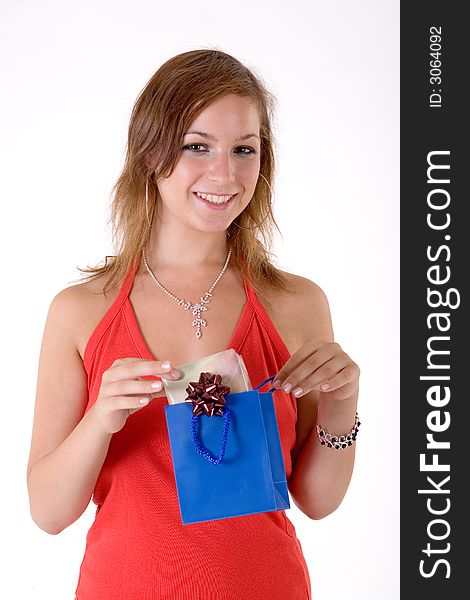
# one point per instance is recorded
(228, 364)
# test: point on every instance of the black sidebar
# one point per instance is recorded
(434, 259)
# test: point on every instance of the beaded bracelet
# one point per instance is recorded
(338, 442)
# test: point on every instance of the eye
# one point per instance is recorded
(245, 150)
(192, 148)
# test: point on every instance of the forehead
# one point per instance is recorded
(229, 115)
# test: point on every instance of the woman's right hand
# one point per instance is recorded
(123, 392)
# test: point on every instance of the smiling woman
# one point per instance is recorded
(192, 216)
(214, 180)
(201, 107)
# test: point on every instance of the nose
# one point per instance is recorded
(221, 169)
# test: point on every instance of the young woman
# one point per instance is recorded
(192, 214)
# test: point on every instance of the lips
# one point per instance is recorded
(214, 205)
(215, 198)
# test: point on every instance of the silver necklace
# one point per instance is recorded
(198, 308)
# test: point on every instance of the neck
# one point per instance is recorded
(193, 250)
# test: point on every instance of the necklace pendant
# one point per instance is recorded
(198, 322)
(197, 308)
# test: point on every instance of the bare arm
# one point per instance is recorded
(67, 448)
(320, 475)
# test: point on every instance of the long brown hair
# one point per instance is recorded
(173, 97)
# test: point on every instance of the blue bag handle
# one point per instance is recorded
(266, 381)
(227, 417)
(197, 444)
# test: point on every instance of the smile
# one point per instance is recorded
(215, 198)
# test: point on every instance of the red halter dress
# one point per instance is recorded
(137, 548)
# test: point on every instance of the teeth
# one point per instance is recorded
(214, 199)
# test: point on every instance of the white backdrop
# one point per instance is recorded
(70, 73)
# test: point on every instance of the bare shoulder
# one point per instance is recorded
(61, 391)
(80, 307)
(90, 291)
(301, 314)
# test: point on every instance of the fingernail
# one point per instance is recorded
(287, 387)
(175, 373)
(325, 387)
(166, 364)
(297, 391)
(144, 401)
(277, 383)
(156, 385)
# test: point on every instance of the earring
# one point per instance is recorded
(147, 202)
(267, 214)
(267, 182)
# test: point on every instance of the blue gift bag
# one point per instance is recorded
(247, 477)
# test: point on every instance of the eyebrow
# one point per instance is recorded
(211, 137)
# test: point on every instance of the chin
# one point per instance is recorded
(214, 228)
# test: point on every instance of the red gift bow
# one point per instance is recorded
(207, 395)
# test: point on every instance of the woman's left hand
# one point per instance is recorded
(321, 366)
